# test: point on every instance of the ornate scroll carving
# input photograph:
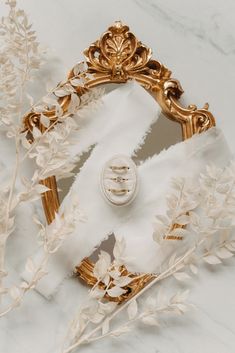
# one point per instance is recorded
(118, 56)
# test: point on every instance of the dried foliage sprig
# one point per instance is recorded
(51, 238)
(206, 211)
(20, 58)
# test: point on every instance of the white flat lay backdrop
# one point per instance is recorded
(196, 40)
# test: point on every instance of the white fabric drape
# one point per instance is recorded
(119, 126)
(124, 127)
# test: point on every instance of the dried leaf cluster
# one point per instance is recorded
(49, 148)
(205, 212)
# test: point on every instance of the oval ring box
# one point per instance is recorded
(119, 180)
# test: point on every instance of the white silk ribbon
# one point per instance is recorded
(119, 126)
(125, 127)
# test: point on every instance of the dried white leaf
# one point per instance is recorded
(49, 100)
(24, 285)
(123, 281)
(25, 143)
(39, 108)
(115, 273)
(181, 276)
(74, 103)
(172, 201)
(107, 308)
(159, 233)
(177, 182)
(60, 92)
(14, 292)
(224, 253)
(182, 220)
(105, 326)
(230, 246)
(106, 279)
(10, 134)
(102, 265)
(151, 303)
(78, 68)
(181, 307)
(97, 293)
(150, 321)
(40, 189)
(212, 259)
(36, 132)
(181, 232)
(193, 268)
(132, 309)
(45, 120)
(194, 218)
(97, 318)
(180, 297)
(115, 291)
(40, 275)
(76, 82)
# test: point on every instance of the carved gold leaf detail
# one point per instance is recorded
(121, 56)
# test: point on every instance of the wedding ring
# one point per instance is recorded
(119, 169)
(119, 191)
(119, 179)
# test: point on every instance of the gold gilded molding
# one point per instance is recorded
(117, 57)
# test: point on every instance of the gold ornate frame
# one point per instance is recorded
(118, 56)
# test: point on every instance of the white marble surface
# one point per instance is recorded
(196, 40)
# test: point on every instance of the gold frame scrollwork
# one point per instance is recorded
(117, 57)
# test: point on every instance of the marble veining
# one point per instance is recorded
(209, 28)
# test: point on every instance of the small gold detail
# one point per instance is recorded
(119, 179)
(119, 192)
(173, 237)
(119, 168)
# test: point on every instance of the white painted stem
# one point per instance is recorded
(174, 268)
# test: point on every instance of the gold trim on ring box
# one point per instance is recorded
(117, 57)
